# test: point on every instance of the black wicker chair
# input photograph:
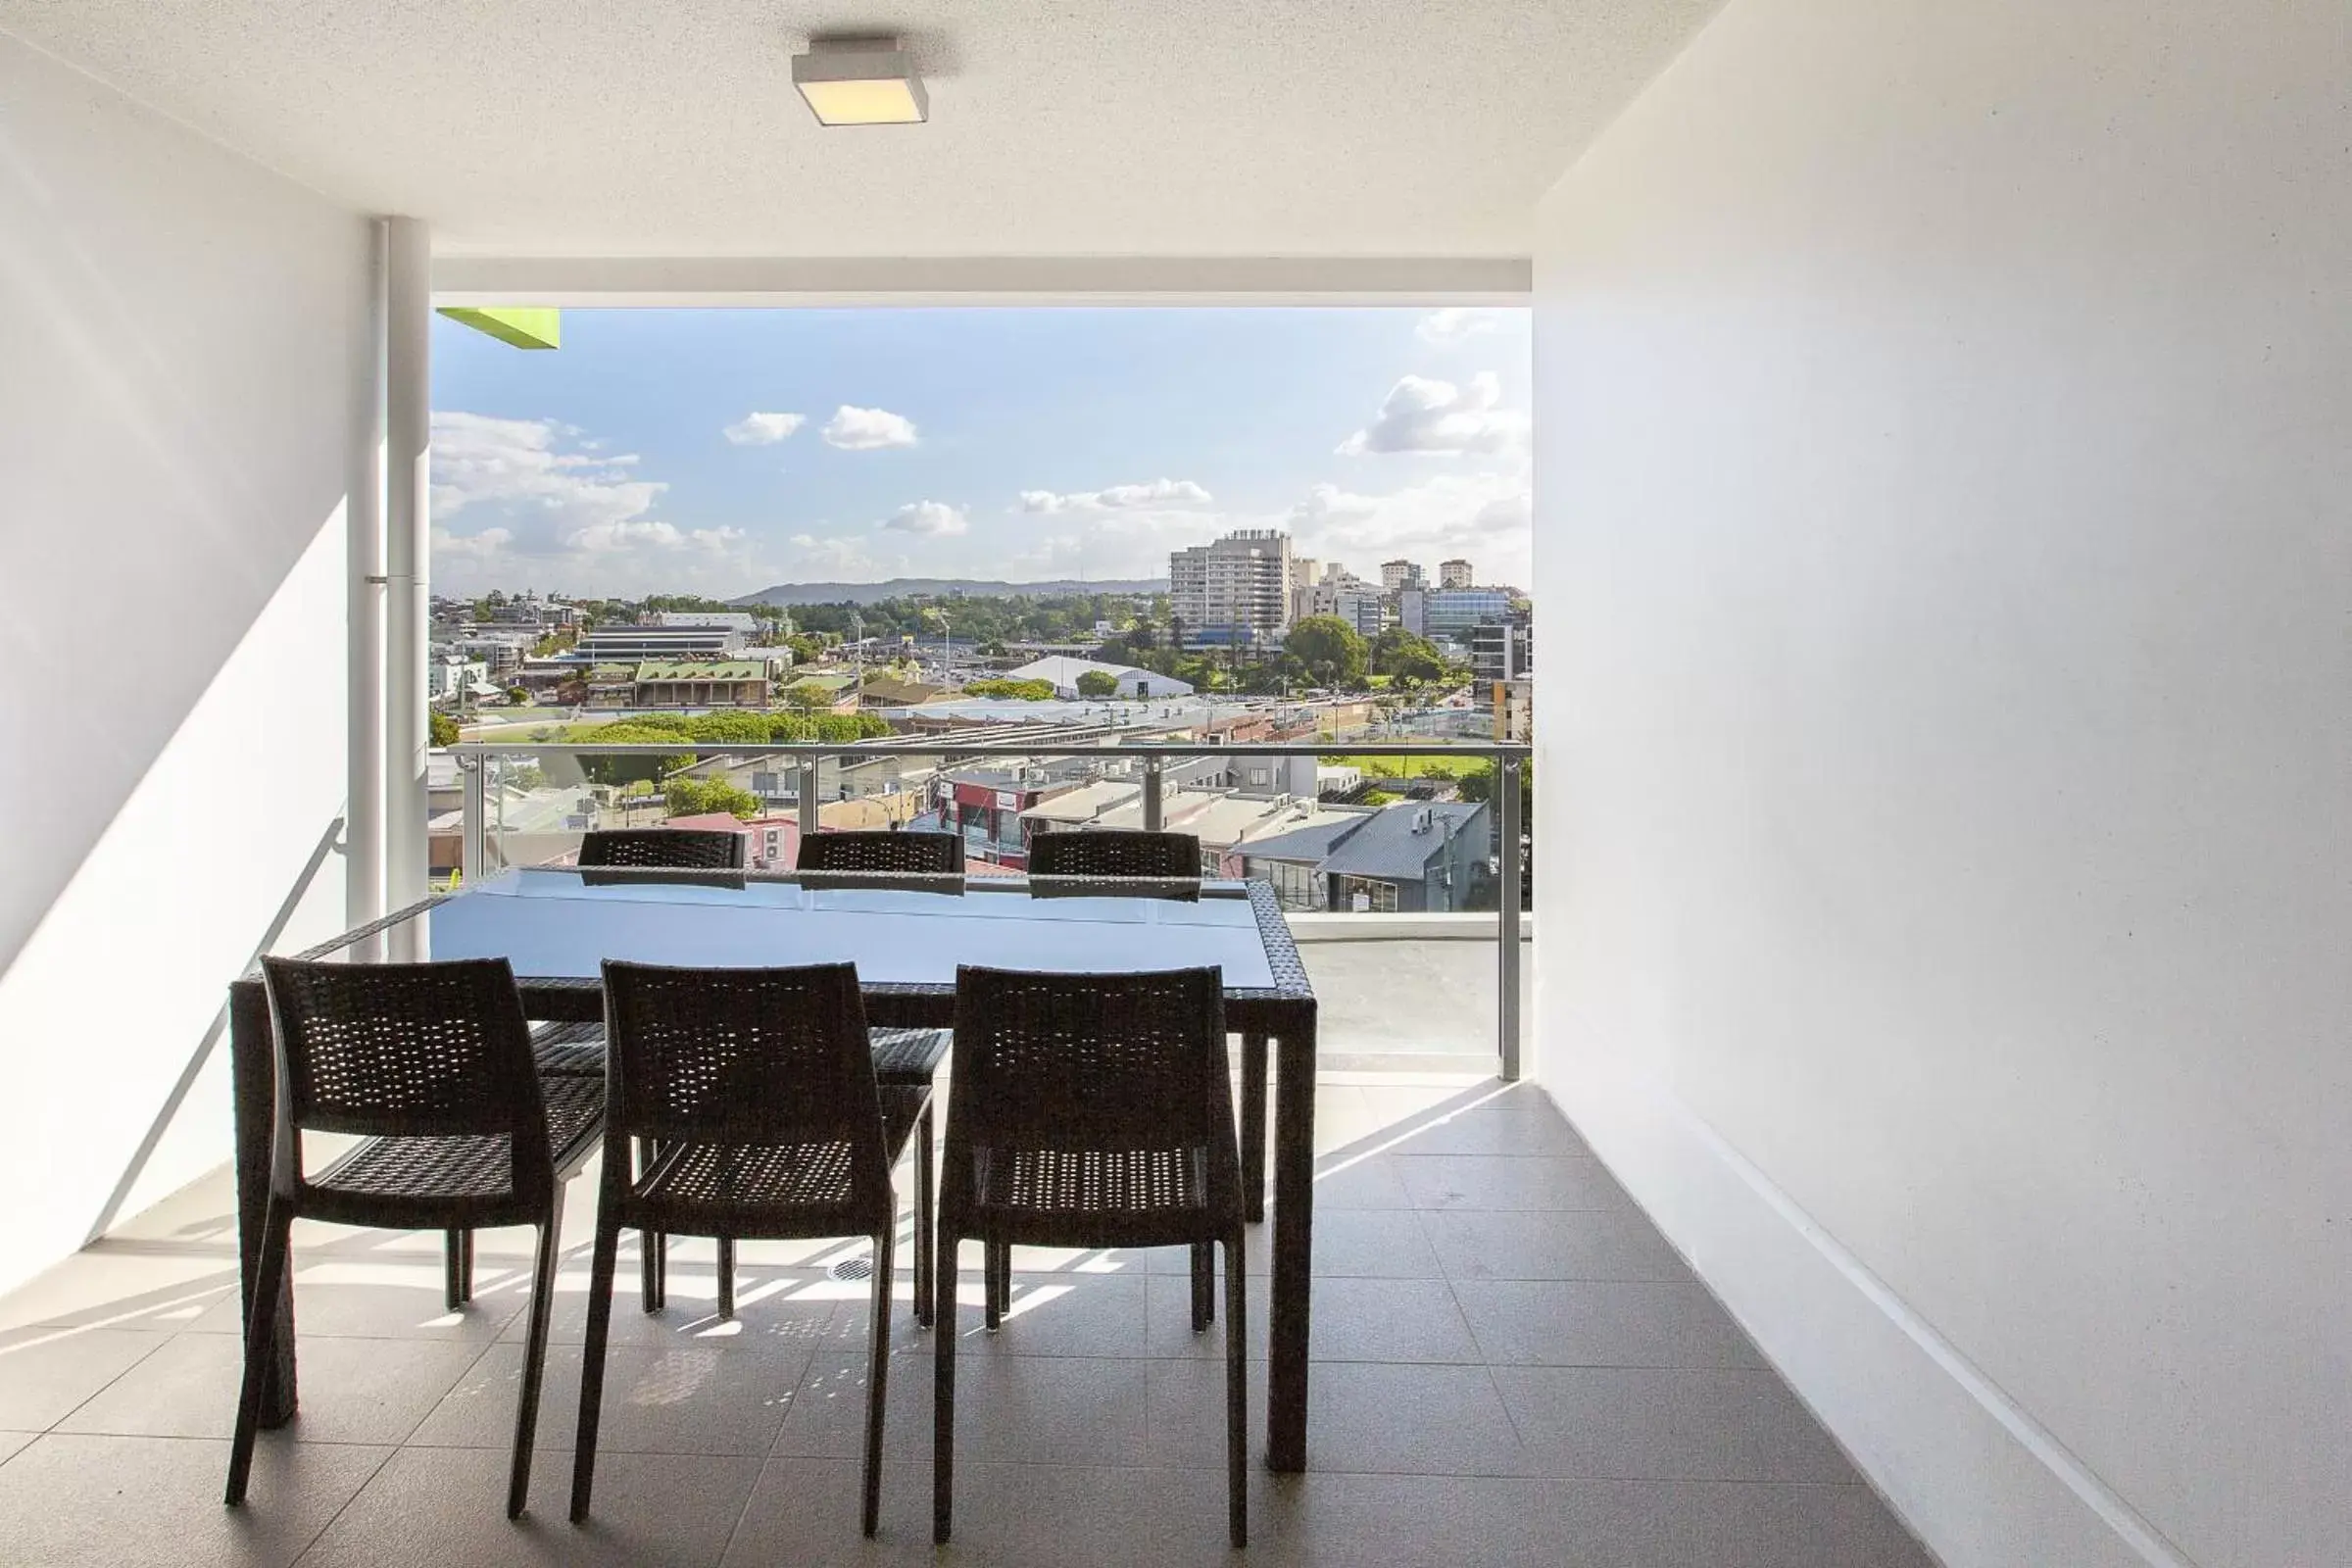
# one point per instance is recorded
(579, 1049)
(1091, 1110)
(1120, 852)
(711, 849)
(431, 1063)
(758, 1087)
(933, 853)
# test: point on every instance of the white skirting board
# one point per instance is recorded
(1968, 1469)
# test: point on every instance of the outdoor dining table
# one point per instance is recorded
(555, 926)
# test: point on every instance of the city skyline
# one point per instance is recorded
(721, 452)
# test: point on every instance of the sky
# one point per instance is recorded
(719, 452)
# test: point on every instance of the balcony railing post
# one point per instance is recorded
(1506, 914)
(1152, 815)
(474, 863)
(809, 826)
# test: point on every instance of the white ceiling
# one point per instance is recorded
(1058, 129)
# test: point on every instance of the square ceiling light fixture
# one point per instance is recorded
(861, 81)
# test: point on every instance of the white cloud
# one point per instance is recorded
(534, 465)
(487, 546)
(1482, 516)
(1170, 493)
(763, 429)
(855, 430)
(931, 518)
(1458, 323)
(549, 507)
(1425, 415)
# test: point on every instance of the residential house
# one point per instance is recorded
(1412, 857)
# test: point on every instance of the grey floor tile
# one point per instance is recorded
(678, 1398)
(11, 1442)
(350, 1391)
(1628, 1524)
(441, 1507)
(382, 1302)
(1024, 1410)
(1420, 1420)
(45, 1373)
(1186, 1419)
(1600, 1323)
(1657, 1424)
(773, 1305)
(1389, 1320)
(1373, 1244)
(1508, 1181)
(84, 1501)
(806, 1512)
(1515, 1120)
(1074, 1313)
(1556, 1245)
(1257, 1253)
(1371, 1182)
(1168, 1319)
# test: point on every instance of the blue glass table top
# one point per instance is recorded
(562, 922)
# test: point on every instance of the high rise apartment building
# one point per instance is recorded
(1236, 589)
(1454, 573)
(1396, 575)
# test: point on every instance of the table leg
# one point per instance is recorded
(1253, 1128)
(1294, 1244)
(253, 1081)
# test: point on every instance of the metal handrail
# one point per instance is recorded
(1508, 756)
(942, 746)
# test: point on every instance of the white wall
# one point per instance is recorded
(182, 345)
(1944, 459)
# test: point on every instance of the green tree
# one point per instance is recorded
(1407, 657)
(1329, 650)
(518, 697)
(697, 796)
(1097, 683)
(1019, 691)
(441, 729)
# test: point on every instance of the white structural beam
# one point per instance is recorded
(460, 280)
(363, 809)
(408, 426)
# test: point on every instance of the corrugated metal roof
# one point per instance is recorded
(1387, 848)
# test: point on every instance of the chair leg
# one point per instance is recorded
(925, 1222)
(996, 1274)
(277, 1232)
(1253, 1128)
(1204, 1287)
(727, 1276)
(592, 1357)
(453, 1269)
(534, 1356)
(466, 1264)
(943, 1394)
(877, 1392)
(1237, 1393)
(653, 1250)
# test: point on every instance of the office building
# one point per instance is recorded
(1396, 575)
(1452, 612)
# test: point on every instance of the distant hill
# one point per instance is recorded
(866, 593)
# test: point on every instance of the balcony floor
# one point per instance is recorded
(1510, 1366)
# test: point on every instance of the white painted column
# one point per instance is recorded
(408, 425)
(363, 515)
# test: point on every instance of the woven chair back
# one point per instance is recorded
(933, 853)
(674, 848)
(409, 1049)
(1113, 1062)
(1118, 851)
